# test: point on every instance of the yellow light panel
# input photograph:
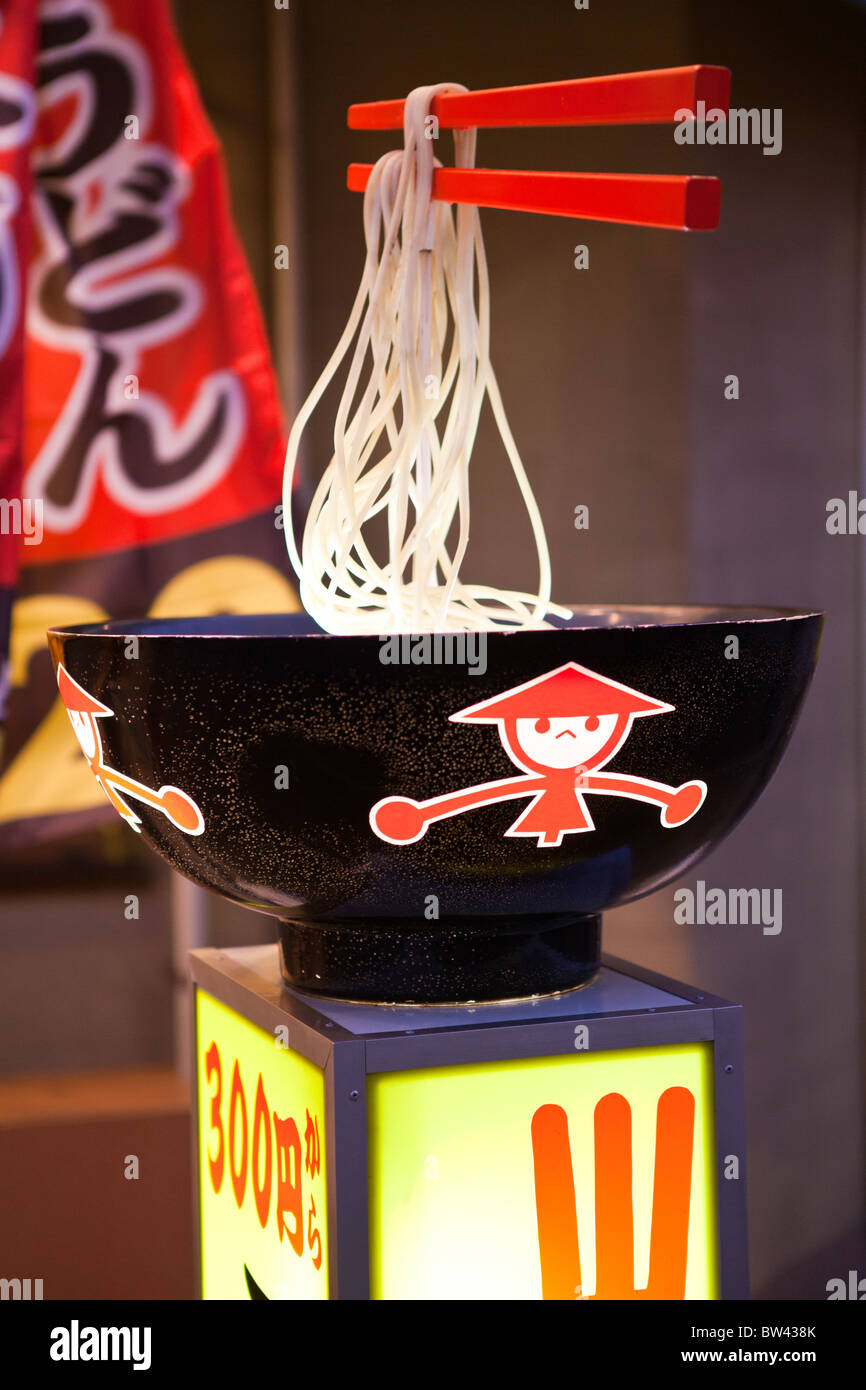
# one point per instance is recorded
(583, 1176)
(261, 1162)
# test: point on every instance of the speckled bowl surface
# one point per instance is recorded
(412, 855)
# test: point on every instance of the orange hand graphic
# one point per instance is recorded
(614, 1227)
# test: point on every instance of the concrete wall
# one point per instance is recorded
(774, 298)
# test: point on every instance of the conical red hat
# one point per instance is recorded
(75, 697)
(571, 691)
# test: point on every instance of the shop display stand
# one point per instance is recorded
(532, 1078)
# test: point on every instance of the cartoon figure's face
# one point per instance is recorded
(85, 731)
(572, 742)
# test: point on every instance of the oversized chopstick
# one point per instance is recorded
(630, 98)
(683, 202)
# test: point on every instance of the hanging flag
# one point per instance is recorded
(153, 439)
(17, 113)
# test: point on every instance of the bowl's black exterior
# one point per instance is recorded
(218, 706)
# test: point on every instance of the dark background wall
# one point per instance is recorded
(776, 297)
(613, 383)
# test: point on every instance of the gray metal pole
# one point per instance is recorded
(190, 925)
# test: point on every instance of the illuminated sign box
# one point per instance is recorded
(584, 1146)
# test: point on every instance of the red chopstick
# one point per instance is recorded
(629, 98)
(684, 202)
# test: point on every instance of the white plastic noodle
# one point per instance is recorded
(407, 419)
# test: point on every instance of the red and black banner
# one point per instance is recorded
(17, 121)
(141, 437)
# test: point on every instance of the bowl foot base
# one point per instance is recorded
(464, 960)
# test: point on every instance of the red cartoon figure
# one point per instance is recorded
(84, 711)
(560, 729)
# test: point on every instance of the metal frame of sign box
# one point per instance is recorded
(347, 1058)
